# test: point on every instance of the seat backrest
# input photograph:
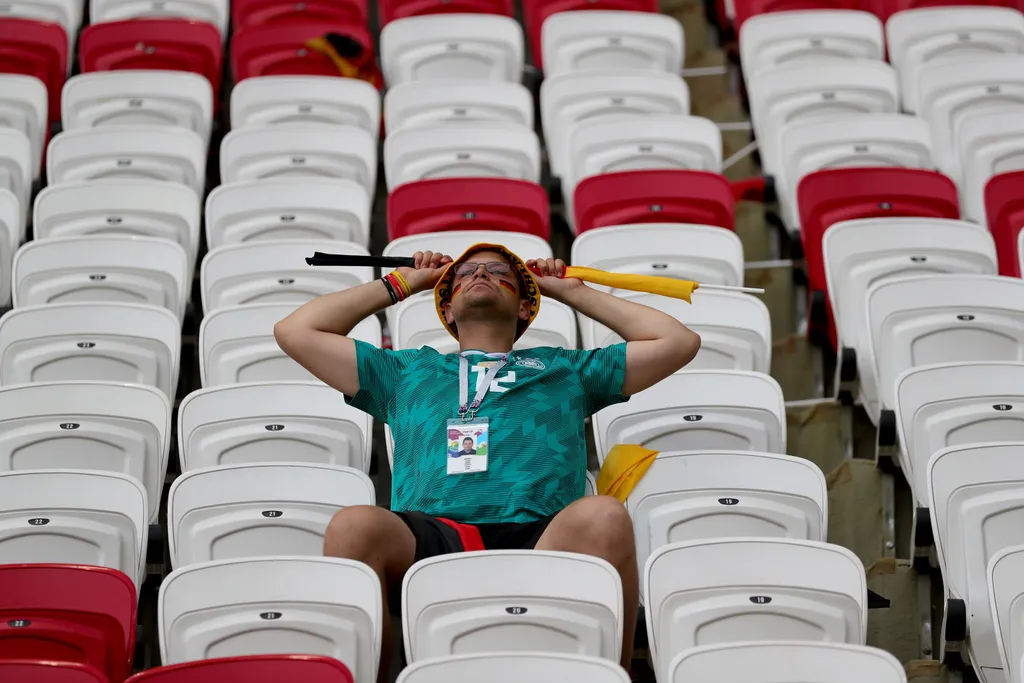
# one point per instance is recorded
(419, 103)
(300, 605)
(119, 152)
(568, 98)
(16, 165)
(462, 46)
(237, 345)
(115, 98)
(85, 517)
(988, 145)
(510, 667)
(275, 271)
(40, 671)
(300, 150)
(107, 342)
(12, 229)
(246, 13)
(206, 11)
(23, 103)
(695, 495)
(279, 49)
(111, 268)
(609, 39)
(122, 207)
(88, 613)
(734, 328)
(389, 10)
(767, 661)
(258, 510)
(264, 100)
(707, 592)
(698, 410)
(577, 600)
(36, 48)
(272, 422)
(288, 208)
(978, 512)
(928, 319)
(536, 13)
(88, 425)
(1004, 572)
(251, 668)
(1004, 210)
(489, 149)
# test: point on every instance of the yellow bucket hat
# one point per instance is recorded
(528, 289)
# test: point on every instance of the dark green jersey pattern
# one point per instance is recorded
(537, 453)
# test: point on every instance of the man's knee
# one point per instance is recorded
(362, 532)
(601, 526)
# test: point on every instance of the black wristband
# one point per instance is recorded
(391, 291)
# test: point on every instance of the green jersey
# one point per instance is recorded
(535, 406)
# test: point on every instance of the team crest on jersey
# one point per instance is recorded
(530, 363)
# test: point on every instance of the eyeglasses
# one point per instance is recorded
(493, 267)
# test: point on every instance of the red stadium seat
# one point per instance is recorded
(168, 44)
(827, 197)
(653, 197)
(246, 13)
(536, 11)
(68, 613)
(251, 669)
(468, 204)
(886, 8)
(751, 8)
(25, 671)
(1004, 210)
(36, 48)
(389, 10)
(280, 50)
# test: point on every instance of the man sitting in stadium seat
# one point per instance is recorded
(524, 486)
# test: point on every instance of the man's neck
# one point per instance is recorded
(484, 338)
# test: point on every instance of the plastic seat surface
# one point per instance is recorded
(36, 48)
(40, 671)
(270, 100)
(574, 41)
(279, 49)
(246, 13)
(512, 667)
(69, 613)
(389, 10)
(251, 669)
(536, 12)
(745, 9)
(1004, 208)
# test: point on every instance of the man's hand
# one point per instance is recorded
(549, 275)
(427, 271)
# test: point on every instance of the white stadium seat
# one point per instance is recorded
(120, 152)
(111, 268)
(23, 106)
(803, 89)
(590, 489)
(288, 208)
(814, 36)
(697, 495)
(105, 342)
(863, 252)
(845, 141)
(120, 207)
(568, 98)
(210, 11)
(300, 150)
(916, 321)
(579, 41)
(951, 93)
(275, 271)
(86, 517)
(698, 410)
(1004, 582)
(735, 328)
(464, 46)
(16, 171)
(770, 661)
(575, 600)
(492, 149)
(931, 34)
(118, 98)
(236, 344)
(301, 605)
(514, 667)
(702, 253)
(954, 404)
(719, 590)
(425, 103)
(976, 492)
(258, 510)
(299, 422)
(123, 428)
(264, 100)
(987, 145)
(12, 230)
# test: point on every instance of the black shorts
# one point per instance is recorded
(434, 537)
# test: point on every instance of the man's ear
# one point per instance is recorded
(448, 313)
(524, 309)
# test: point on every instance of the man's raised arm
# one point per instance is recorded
(656, 343)
(314, 335)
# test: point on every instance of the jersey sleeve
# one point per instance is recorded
(602, 373)
(379, 374)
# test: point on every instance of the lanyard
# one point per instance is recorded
(467, 410)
